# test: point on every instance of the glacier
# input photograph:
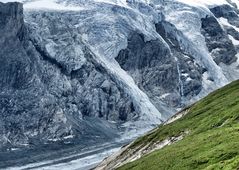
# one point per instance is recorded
(98, 71)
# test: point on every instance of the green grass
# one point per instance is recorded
(212, 142)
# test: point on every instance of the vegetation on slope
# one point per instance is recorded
(211, 141)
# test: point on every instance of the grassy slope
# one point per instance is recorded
(212, 142)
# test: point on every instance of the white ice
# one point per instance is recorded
(45, 5)
(204, 2)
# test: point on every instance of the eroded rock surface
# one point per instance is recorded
(108, 70)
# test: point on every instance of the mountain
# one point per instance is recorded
(202, 136)
(90, 72)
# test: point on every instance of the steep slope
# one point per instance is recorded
(41, 82)
(88, 72)
(203, 136)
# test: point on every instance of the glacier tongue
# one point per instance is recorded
(96, 71)
(188, 21)
(149, 115)
(106, 26)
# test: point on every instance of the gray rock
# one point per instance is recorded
(151, 65)
(49, 96)
(218, 42)
(87, 77)
(227, 12)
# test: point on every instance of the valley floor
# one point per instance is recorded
(75, 157)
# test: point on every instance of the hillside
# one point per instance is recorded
(205, 138)
(80, 78)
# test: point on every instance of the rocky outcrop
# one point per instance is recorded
(11, 18)
(46, 99)
(230, 16)
(107, 70)
(227, 12)
(189, 78)
(218, 42)
(153, 68)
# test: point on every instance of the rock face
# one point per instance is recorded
(153, 68)
(218, 42)
(45, 99)
(229, 17)
(18, 81)
(189, 79)
(108, 70)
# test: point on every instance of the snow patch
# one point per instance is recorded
(234, 41)
(164, 95)
(236, 2)
(69, 137)
(204, 2)
(122, 3)
(5, 1)
(15, 149)
(50, 5)
(224, 22)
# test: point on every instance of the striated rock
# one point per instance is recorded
(11, 18)
(227, 12)
(189, 80)
(152, 66)
(107, 71)
(218, 43)
(47, 99)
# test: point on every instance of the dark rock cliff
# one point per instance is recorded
(43, 99)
